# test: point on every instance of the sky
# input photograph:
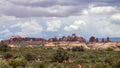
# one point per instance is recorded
(49, 18)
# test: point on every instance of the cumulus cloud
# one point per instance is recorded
(47, 3)
(51, 8)
(111, 30)
(79, 24)
(92, 17)
(4, 18)
(92, 9)
(5, 31)
(38, 11)
(115, 19)
(102, 9)
(53, 25)
(28, 28)
(116, 16)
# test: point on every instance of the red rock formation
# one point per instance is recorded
(93, 39)
(15, 39)
(103, 40)
(97, 40)
(107, 39)
(81, 39)
(72, 38)
(55, 39)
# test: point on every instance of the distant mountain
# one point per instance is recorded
(113, 39)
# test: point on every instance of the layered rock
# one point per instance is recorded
(93, 39)
(17, 38)
(72, 38)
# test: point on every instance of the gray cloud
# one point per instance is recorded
(48, 8)
(47, 3)
(42, 8)
(107, 3)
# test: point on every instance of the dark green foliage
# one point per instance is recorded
(118, 65)
(7, 55)
(102, 65)
(42, 57)
(109, 49)
(78, 48)
(60, 55)
(30, 56)
(3, 63)
(4, 47)
(18, 62)
(41, 65)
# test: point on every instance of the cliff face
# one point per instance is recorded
(72, 38)
(65, 42)
(17, 38)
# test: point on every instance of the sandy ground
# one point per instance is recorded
(93, 46)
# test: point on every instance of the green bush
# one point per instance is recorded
(41, 65)
(117, 65)
(109, 49)
(102, 65)
(7, 55)
(60, 55)
(18, 62)
(30, 56)
(4, 63)
(78, 48)
(4, 47)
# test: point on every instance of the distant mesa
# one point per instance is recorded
(72, 38)
(18, 38)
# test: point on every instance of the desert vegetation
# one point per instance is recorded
(47, 57)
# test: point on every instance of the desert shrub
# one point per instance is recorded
(68, 49)
(4, 47)
(117, 65)
(30, 56)
(41, 65)
(4, 63)
(55, 65)
(102, 65)
(7, 55)
(108, 60)
(60, 55)
(78, 48)
(109, 49)
(18, 62)
(49, 48)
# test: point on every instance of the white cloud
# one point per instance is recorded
(6, 8)
(116, 16)
(111, 30)
(78, 24)
(85, 11)
(4, 18)
(28, 28)
(5, 31)
(100, 9)
(53, 25)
